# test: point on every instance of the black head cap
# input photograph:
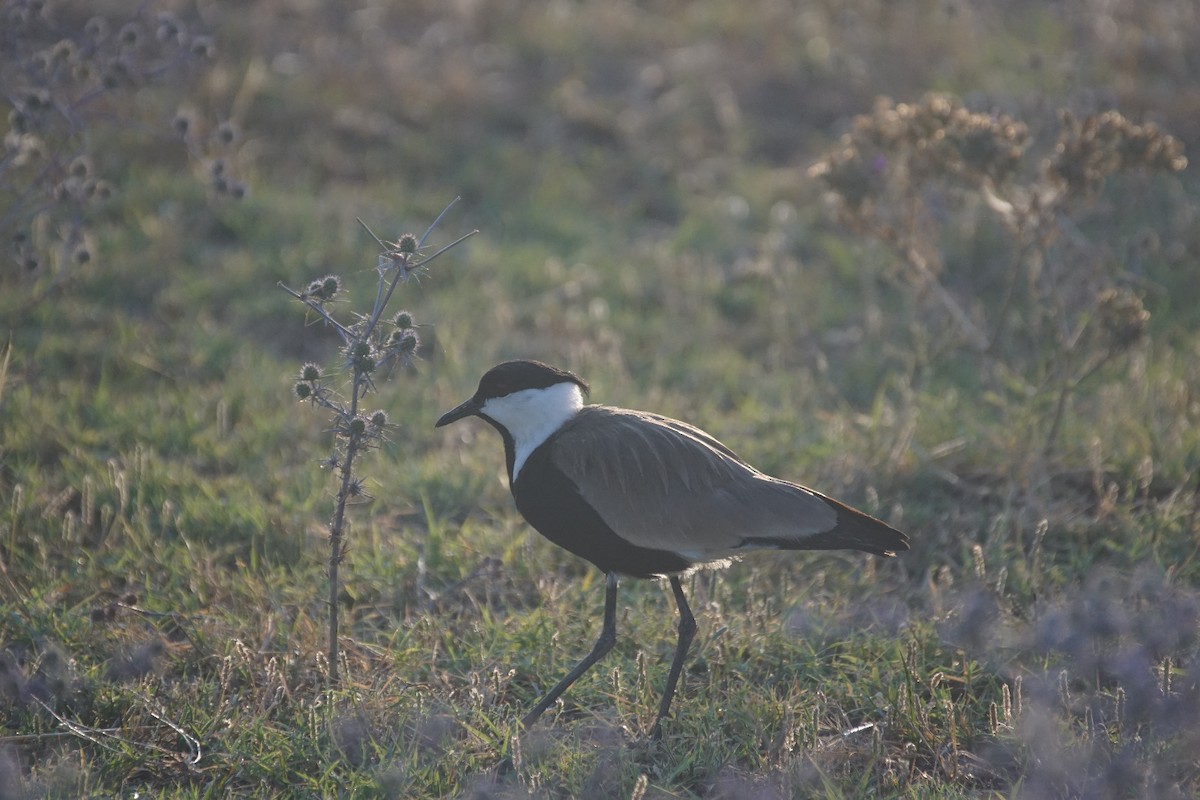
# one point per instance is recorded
(511, 376)
(514, 376)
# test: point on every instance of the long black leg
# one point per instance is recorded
(687, 632)
(608, 638)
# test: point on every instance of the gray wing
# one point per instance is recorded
(664, 484)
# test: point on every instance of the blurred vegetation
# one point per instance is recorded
(937, 259)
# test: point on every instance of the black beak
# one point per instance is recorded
(460, 411)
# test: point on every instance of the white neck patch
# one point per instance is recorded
(532, 415)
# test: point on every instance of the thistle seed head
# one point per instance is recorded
(407, 244)
(407, 342)
(1122, 317)
(130, 35)
(203, 47)
(325, 289)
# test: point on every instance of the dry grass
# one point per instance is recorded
(640, 177)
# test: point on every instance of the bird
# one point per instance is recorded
(642, 495)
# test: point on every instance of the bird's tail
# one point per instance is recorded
(854, 531)
(858, 531)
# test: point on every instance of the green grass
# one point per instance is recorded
(163, 508)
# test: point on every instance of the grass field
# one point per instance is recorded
(959, 309)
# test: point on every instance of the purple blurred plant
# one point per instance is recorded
(64, 81)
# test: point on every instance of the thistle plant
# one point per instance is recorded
(898, 175)
(370, 343)
(65, 77)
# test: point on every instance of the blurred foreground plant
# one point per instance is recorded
(369, 343)
(1057, 311)
(67, 79)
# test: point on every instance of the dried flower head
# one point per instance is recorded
(64, 50)
(116, 75)
(203, 47)
(96, 29)
(325, 289)
(169, 29)
(407, 243)
(1091, 149)
(403, 319)
(1123, 318)
(19, 121)
(937, 137)
(36, 99)
(848, 174)
(360, 356)
(130, 35)
(405, 342)
(310, 372)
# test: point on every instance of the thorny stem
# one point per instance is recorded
(382, 298)
(443, 249)
(434, 224)
(1029, 254)
(401, 265)
(1064, 393)
(978, 340)
(407, 268)
(342, 330)
(928, 279)
(337, 529)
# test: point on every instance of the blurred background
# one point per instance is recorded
(939, 259)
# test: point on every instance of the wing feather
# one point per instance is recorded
(661, 483)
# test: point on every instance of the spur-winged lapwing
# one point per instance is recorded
(643, 495)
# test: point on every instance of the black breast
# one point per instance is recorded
(551, 503)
